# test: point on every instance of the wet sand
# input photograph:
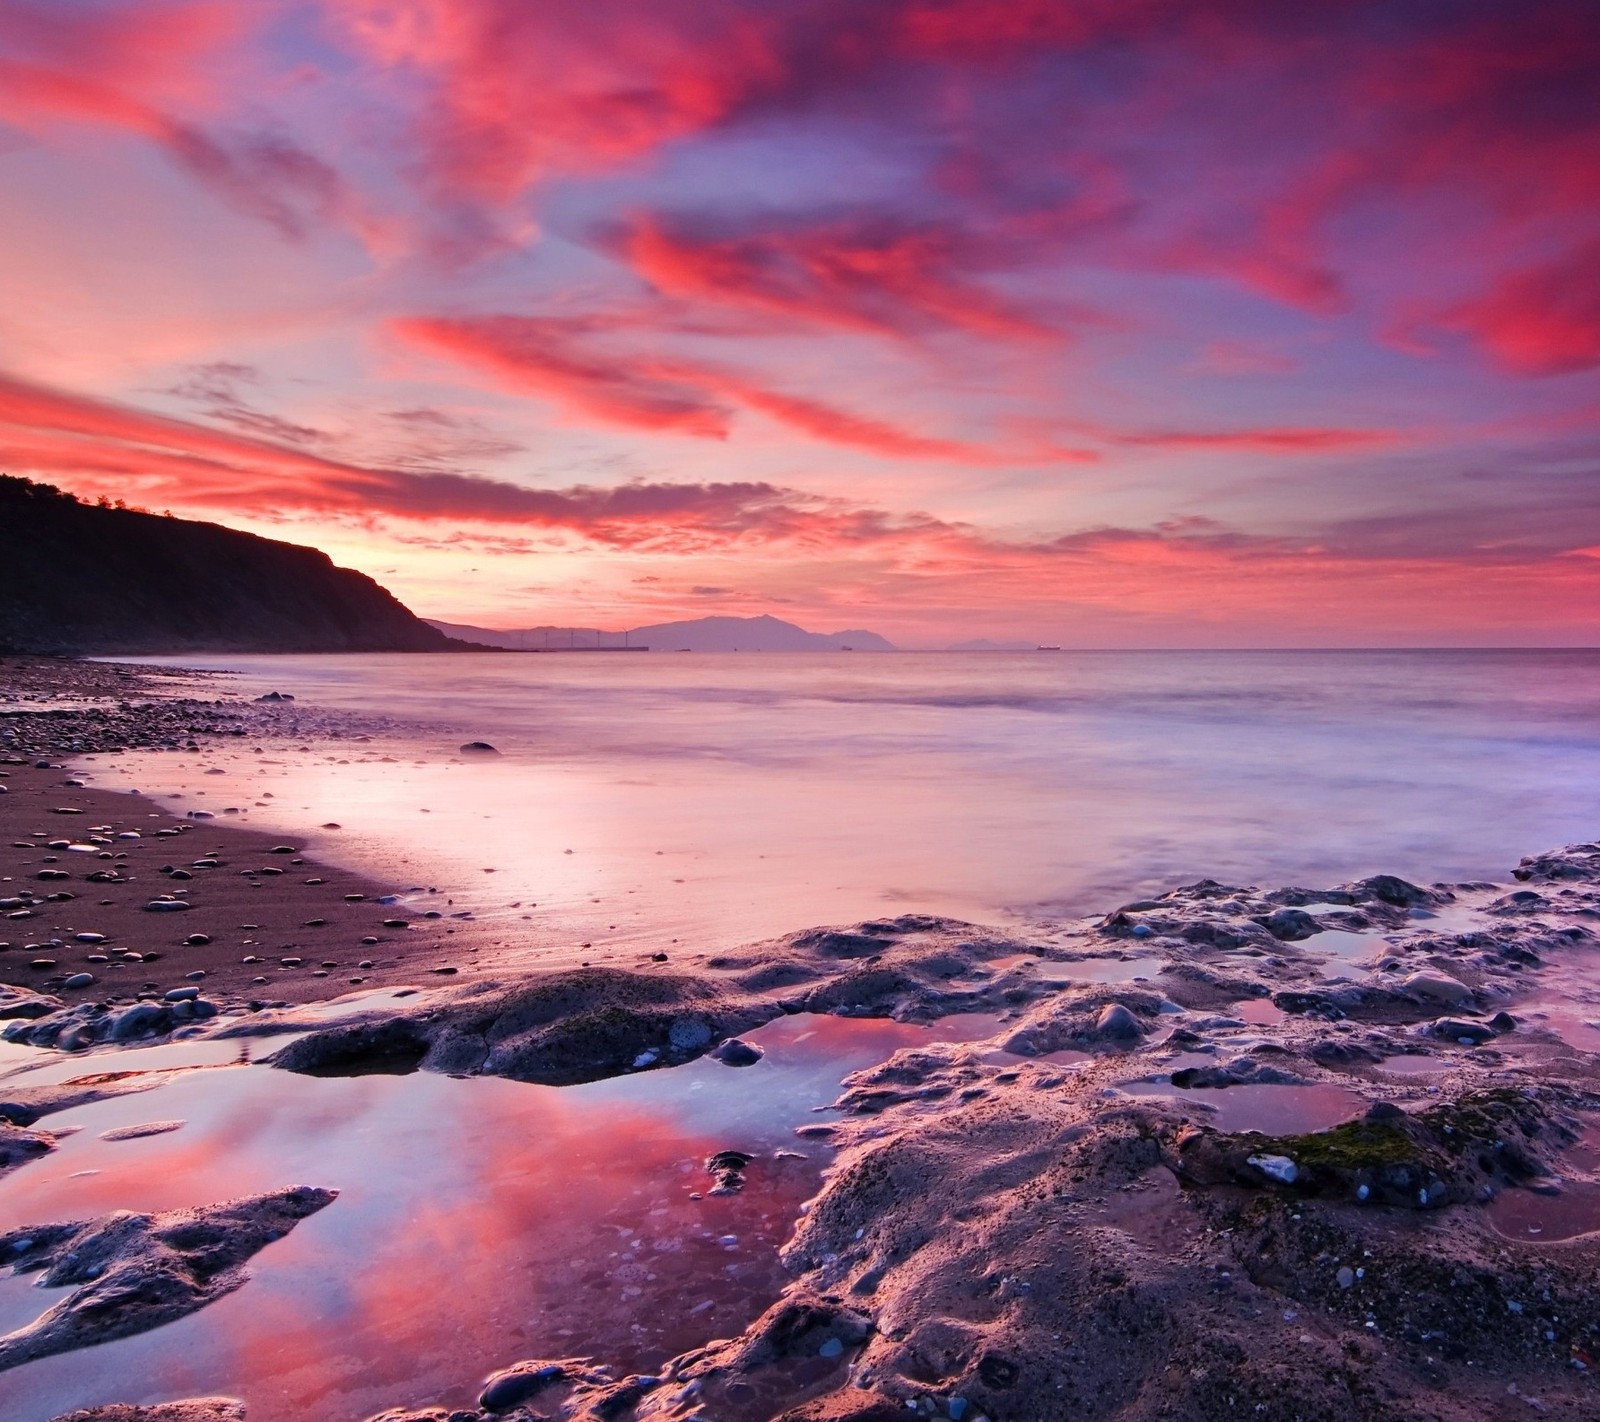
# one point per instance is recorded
(1172, 1171)
(91, 863)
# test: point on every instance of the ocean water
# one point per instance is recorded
(640, 799)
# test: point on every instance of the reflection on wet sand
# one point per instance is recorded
(479, 1221)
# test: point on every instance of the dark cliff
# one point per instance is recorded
(86, 578)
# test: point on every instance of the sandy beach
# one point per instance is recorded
(1280, 1153)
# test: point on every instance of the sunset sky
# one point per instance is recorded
(1102, 322)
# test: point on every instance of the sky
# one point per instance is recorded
(1096, 322)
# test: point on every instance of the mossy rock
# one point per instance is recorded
(1454, 1152)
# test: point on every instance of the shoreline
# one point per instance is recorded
(1204, 1164)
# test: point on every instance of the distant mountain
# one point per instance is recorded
(703, 634)
(93, 579)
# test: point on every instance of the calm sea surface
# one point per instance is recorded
(722, 798)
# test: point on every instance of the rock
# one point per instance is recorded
(192, 1409)
(1391, 889)
(1437, 987)
(1276, 1167)
(133, 1272)
(478, 748)
(736, 1053)
(1468, 1034)
(79, 980)
(198, 940)
(1290, 924)
(165, 906)
(1116, 1021)
(1346, 1276)
(140, 1020)
(688, 1034)
(511, 1387)
(276, 696)
(183, 994)
(134, 1133)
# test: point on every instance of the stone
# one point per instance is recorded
(142, 1019)
(1290, 924)
(1276, 1167)
(1437, 987)
(166, 906)
(511, 1387)
(688, 1034)
(1117, 1021)
(737, 1053)
(79, 980)
(1346, 1276)
(478, 748)
(183, 994)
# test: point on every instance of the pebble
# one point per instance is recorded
(478, 748)
(1276, 1167)
(198, 940)
(737, 1053)
(165, 906)
(183, 994)
(79, 980)
(1346, 1277)
(1117, 1021)
(1437, 987)
(688, 1034)
(291, 962)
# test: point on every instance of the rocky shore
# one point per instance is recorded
(1291, 1154)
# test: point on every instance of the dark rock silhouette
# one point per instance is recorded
(91, 579)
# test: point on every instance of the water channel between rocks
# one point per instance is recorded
(479, 1221)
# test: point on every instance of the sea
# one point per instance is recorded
(723, 798)
(634, 800)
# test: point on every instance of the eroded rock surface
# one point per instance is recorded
(132, 1272)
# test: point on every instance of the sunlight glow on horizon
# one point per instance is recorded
(1154, 323)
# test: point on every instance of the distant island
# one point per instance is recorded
(96, 579)
(702, 634)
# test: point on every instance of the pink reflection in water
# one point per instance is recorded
(1272, 1110)
(1574, 1208)
(480, 1222)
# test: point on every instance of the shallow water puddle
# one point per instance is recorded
(1273, 1110)
(1413, 1064)
(480, 1221)
(1342, 950)
(1100, 970)
(1549, 1218)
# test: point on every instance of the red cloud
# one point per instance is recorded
(1543, 320)
(879, 275)
(547, 356)
(148, 68)
(1194, 571)
(525, 90)
(541, 355)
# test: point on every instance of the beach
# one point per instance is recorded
(1201, 1151)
